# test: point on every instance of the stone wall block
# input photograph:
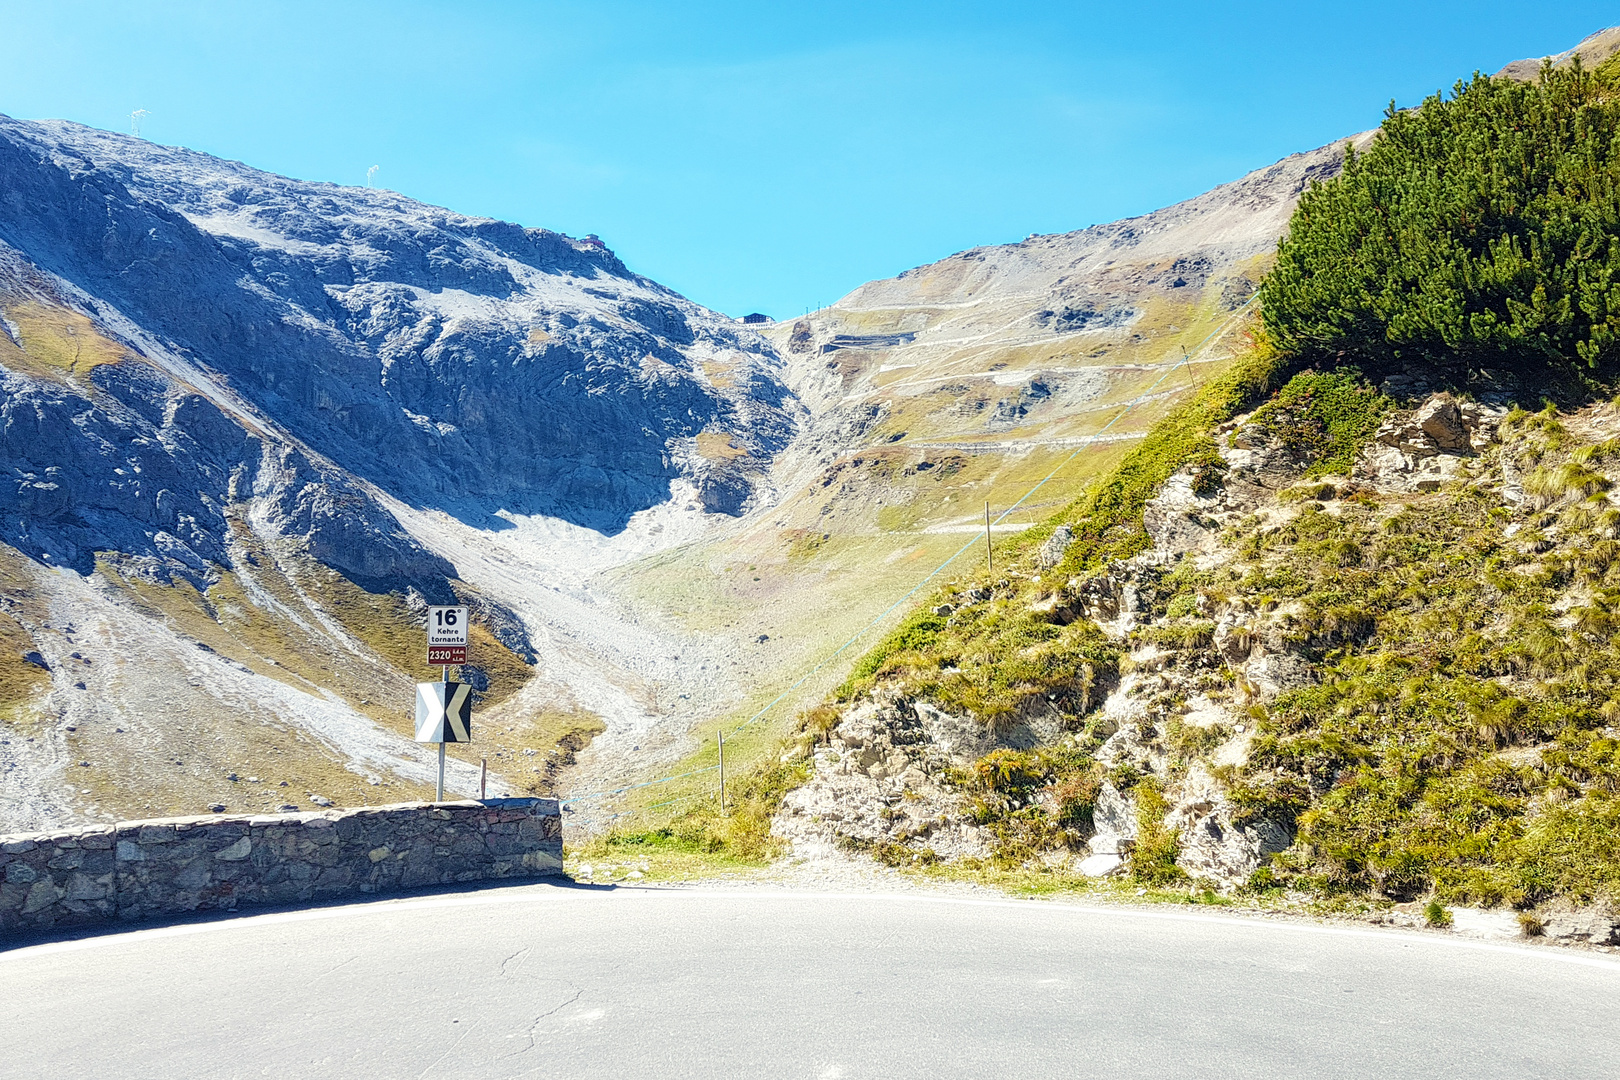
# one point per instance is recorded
(137, 870)
(42, 896)
(70, 859)
(98, 838)
(236, 851)
(225, 834)
(334, 879)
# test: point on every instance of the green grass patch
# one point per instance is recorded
(1323, 419)
(1107, 519)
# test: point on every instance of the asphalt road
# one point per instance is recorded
(555, 981)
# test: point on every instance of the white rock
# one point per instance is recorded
(1099, 865)
(1114, 820)
(1051, 552)
(1479, 922)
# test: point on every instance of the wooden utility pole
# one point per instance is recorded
(989, 552)
(720, 738)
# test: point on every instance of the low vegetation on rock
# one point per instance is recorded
(1341, 629)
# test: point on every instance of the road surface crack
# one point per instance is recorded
(466, 1031)
(520, 956)
(529, 1035)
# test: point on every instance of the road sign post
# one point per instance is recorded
(443, 715)
(444, 709)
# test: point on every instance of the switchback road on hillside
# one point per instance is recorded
(567, 981)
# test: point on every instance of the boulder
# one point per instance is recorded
(1214, 848)
(1441, 420)
(1590, 926)
(1114, 820)
(1100, 865)
(1052, 550)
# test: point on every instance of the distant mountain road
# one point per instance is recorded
(560, 981)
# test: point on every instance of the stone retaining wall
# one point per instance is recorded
(139, 869)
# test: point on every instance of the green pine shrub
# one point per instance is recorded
(1479, 231)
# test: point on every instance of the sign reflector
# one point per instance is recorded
(443, 712)
(447, 654)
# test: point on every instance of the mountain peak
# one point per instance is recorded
(1592, 50)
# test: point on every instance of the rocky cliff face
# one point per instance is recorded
(219, 386)
(108, 452)
(457, 363)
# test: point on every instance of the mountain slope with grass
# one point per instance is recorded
(954, 385)
(254, 424)
(1338, 632)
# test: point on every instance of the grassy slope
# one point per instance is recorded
(1462, 741)
(20, 681)
(839, 578)
(57, 343)
(183, 765)
(1461, 745)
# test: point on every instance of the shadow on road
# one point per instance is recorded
(27, 938)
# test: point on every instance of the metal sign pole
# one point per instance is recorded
(444, 714)
(439, 797)
(721, 736)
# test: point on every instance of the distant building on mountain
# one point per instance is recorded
(754, 317)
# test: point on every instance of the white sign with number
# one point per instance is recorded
(447, 626)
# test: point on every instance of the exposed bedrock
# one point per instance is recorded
(458, 363)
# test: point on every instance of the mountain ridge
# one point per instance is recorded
(351, 356)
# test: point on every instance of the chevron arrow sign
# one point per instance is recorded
(443, 712)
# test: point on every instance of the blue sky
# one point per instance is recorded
(764, 156)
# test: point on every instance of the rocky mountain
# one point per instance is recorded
(957, 384)
(256, 422)
(457, 363)
(1016, 345)
(213, 374)
(1339, 633)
